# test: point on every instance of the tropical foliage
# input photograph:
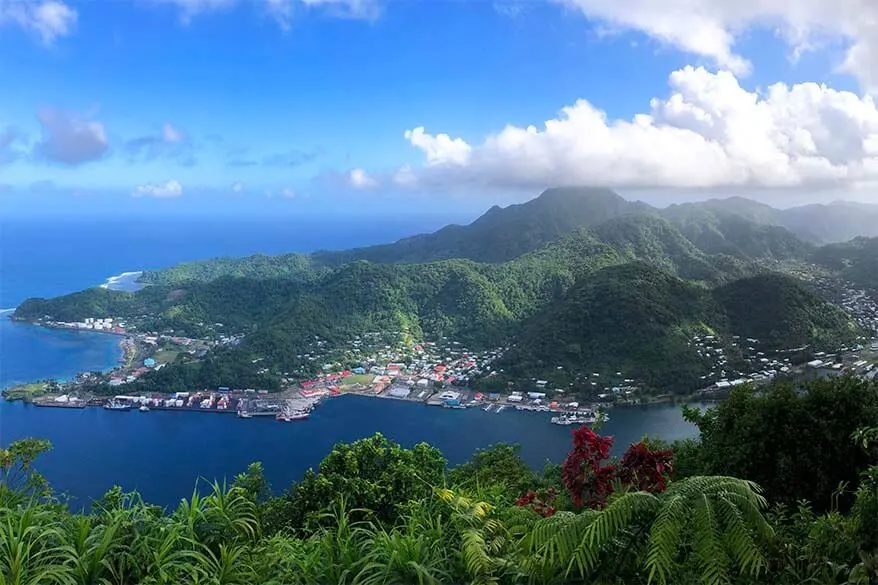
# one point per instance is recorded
(378, 513)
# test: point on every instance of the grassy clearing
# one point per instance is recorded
(26, 392)
(165, 356)
(363, 379)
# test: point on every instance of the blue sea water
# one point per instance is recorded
(163, 453)
(49, 257)
(29, 353)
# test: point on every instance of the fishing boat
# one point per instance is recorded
(244, 414)
(144, 408)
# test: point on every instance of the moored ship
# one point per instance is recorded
(116, 405)
(577, 418)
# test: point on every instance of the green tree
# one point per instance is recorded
(498, 465)
(793, 441)
(374, 474)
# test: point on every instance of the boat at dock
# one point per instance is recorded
(290, 414)
(577, 418)
(144, 408)
(116, 405)
(292, 417)
(489, 408)
(244, 414)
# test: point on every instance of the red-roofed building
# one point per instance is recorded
(440, 369)
(309, 383)
(345, 373)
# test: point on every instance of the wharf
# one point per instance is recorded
(53, 404)
(193, 409)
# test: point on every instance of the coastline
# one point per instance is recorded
(126, 352)
(126, 281)
(121, 354)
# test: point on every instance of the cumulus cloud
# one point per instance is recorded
(359, 179)
(162, 190)
(69, 138)
(709, 133)
(48, 20)
(710, 28)
(237, 187)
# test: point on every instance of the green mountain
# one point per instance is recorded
(576, 276)
(856, 261)
(626, 294)
(638, 319)
(502, 234)
(738, 227)
(782, 312)
(734, 227)
(831, 223)
(634, 318)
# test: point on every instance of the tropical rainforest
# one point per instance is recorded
(780, 488)
(578, 278)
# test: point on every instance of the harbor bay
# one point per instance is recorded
(163, 453)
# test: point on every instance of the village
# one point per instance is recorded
(388, 365)
(433, 373)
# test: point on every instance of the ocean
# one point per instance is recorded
(163, 454)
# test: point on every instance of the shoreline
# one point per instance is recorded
(125, 353)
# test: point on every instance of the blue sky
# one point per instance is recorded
(201, 106)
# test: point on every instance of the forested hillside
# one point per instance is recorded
(735, 227)
(640, 319)
(856, 261)
(624, 294)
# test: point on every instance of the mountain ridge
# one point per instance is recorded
(281, 304)
(734, 226)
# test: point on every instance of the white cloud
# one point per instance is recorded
(190, 8)
(710, 28)
(709, 133)
(49, 19)
(70, 139)
(170, 134)
(170, 189)
(365, 9)
(237, 187)
(440, 149)
(359, 179)
(288, 193)
(282, 11)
